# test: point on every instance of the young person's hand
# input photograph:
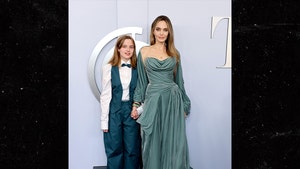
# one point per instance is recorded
(134, 113)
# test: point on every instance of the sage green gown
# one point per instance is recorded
(164, 143)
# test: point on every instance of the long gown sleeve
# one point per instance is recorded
(139, 93)
(180, 82)
(162, 123)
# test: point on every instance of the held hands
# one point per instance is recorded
(134, 113)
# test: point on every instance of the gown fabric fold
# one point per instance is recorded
(163, 128)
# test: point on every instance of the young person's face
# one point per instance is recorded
(161, 32)
(126, 50)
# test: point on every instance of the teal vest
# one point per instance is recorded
(117, 90)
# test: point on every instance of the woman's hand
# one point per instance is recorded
(105, 130)
(134, 113)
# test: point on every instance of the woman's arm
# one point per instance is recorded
(142, 82)
(180, 82)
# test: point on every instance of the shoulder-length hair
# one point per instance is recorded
(116, 58)
(170, 46)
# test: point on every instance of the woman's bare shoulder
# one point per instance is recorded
(145, 51)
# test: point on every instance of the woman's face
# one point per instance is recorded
(126, 50)
(161, 32)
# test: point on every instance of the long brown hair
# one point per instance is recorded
(116, 58)
(170, 46)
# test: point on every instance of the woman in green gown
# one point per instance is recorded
(160, 91)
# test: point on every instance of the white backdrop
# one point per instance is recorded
(209, 87)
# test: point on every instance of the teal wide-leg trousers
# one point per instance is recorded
(123, 141)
